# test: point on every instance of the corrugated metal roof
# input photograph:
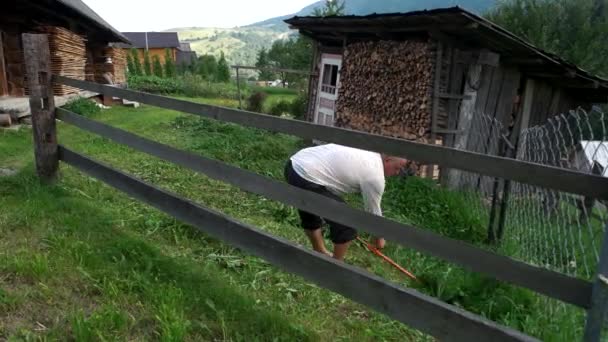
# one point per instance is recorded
(457, 24)
(87, 12)
(155, 40)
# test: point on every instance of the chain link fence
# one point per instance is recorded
(552, 229)
(543, 227)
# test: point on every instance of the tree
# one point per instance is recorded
(157, 66)
(207, 67)
(130, 64)
(331, 8)
(576, 30)
(136, 62)
(169, 64)
(223, 70)
(291, 54)
(263, 62)
(147, 63)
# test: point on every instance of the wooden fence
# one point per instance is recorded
(415, 309)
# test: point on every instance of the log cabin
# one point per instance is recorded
(78, 37)
(431, 75)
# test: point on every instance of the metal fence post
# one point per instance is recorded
(42, 104)
(596, 314)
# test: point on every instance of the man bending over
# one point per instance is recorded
(332, 170)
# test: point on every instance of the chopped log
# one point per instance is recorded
(5, 120)
(385, 88)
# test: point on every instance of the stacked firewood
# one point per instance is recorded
(118, 65)
(68, 56)
(385, 88)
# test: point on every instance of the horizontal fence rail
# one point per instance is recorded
(550, 283)
(411, 307)
(523, 172)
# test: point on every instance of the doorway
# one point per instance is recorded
(328, 89)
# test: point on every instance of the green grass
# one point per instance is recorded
(79, 260)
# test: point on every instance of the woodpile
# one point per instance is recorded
(68, 56)
(386, 88)
(117, 67)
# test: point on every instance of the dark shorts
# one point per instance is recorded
(338, 233)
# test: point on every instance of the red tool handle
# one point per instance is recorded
(387, 259)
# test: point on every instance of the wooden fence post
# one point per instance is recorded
(596, 315)
(238, 87)
(42, 104)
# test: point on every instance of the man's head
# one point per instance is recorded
(393, 165)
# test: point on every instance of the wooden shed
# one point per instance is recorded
(430, 76)
(78, 39)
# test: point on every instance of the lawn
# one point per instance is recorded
(79, 260)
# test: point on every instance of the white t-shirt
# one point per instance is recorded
(342, 170)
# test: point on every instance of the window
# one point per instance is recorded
(330, 78)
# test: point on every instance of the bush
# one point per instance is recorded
(188, 85)
(299, 106)
(275, 90)
(255, 103)
(280, 108)
(82, 106)
(155, 84)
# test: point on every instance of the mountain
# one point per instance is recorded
(241, 44)
(363, 7)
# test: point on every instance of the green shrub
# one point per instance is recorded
(299, 106)
(82, 106)
(188, 85)
(155, 84)
(157, 66)
(280, 108)
(255, 103)
(275, 90)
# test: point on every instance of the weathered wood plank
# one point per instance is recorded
(523, 172)
(550, 283)
(465, 118)
(436, 91)
(42, 104)
(528, 102)
(3, 80)
(422, 312)
(596, 315)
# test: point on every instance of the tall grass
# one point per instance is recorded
(117, 269)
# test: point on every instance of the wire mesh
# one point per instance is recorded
(487, 135)
(553, 229)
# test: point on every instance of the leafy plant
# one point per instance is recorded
(82, 106)
(330, 8)
(207, 67)
(157, 66)
(137, 70)
(130, 64)
(169, 64)
(280, 108)
(223, 70)
(255, 103)
(147, 63)
(575, 30)
(299, 106)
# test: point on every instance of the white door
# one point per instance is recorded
(328, 89)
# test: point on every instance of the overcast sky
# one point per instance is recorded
(137, 15)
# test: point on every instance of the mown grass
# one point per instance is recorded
(80, 260)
